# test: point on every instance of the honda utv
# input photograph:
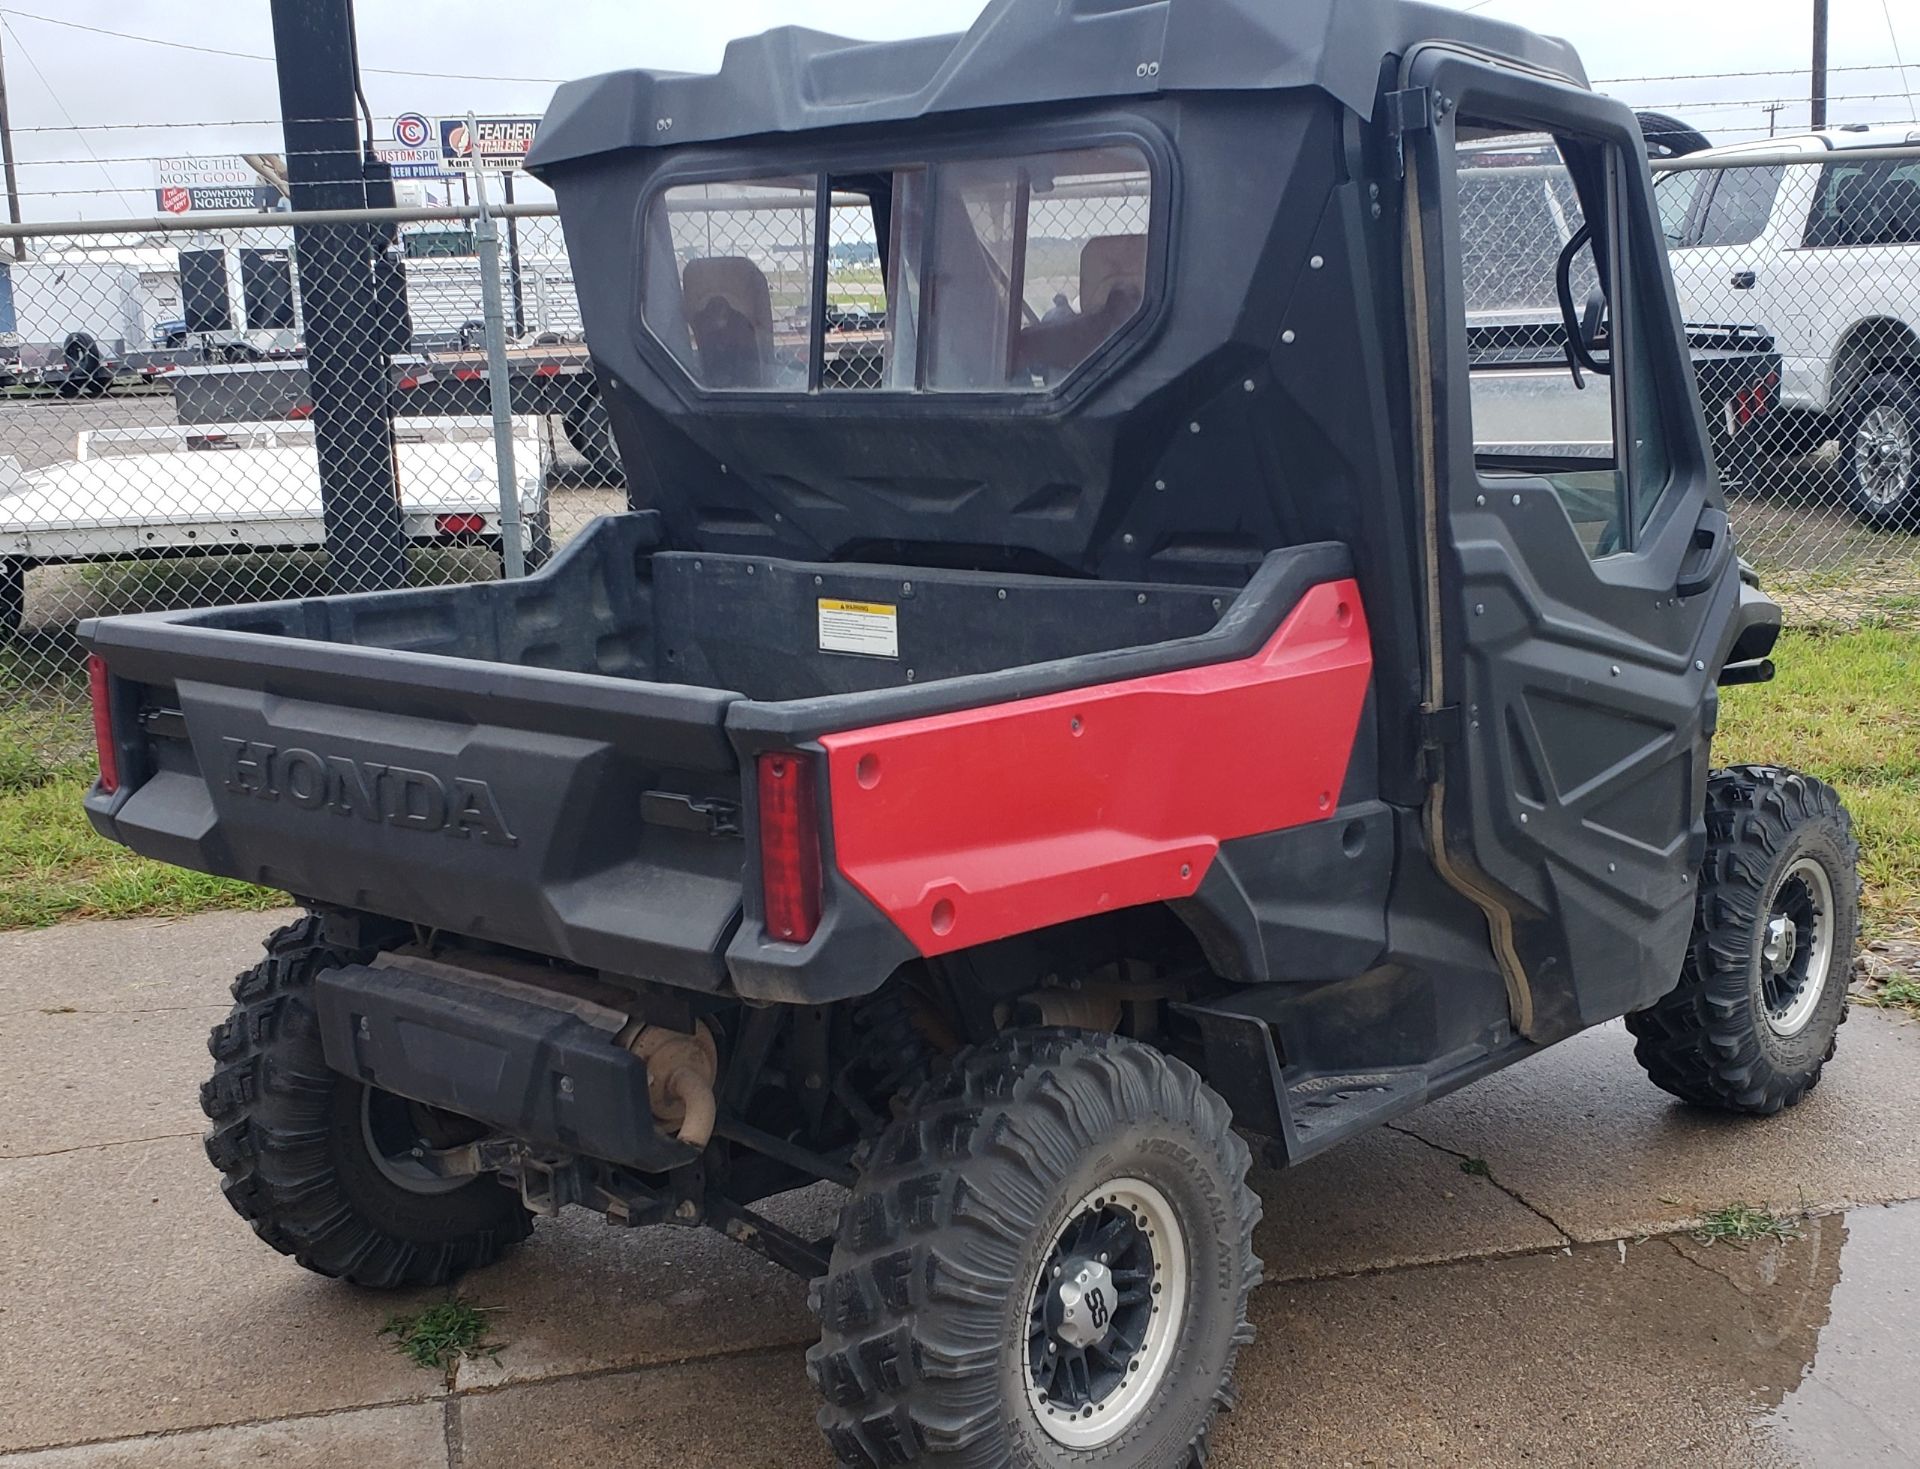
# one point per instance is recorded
(1082, 694)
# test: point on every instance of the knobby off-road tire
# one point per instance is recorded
(1034, 1151)
(294, 1142)
(1743, 1031)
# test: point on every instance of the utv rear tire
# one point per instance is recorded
(1763, 990)
(1032, 1153)
(294, 1142)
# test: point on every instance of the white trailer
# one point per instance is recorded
(44, 305)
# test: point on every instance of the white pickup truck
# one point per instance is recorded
(1825, 256)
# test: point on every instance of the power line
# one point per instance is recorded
(27, 56)
(74, 25)
(1721, 76)
(1894, 36)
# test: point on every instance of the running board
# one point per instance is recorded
(1307, 1112)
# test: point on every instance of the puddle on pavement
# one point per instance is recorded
(1790, 1354)
(1835, 1315)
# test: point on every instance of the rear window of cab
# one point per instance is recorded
(986, 275)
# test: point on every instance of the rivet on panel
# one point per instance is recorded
(1318, 262)
(1287, 336)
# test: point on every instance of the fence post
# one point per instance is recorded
(486, 233)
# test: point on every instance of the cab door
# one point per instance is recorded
(1580, 593)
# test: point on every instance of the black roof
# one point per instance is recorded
(1019, 52)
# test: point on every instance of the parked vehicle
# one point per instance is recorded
(226, 488)
(65, 326)
(1824, 255)
(1016, 783)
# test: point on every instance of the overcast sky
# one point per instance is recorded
(134, 100)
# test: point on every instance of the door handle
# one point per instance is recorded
(1744, 280)
(1707, 554)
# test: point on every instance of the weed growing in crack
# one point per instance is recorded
(1740, 1224)
(444, 1335)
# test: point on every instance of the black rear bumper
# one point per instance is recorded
(546, 1069)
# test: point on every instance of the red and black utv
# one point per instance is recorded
(1080, 686)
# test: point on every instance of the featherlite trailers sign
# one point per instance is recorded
(496, 144)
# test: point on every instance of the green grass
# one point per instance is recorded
(1901, 993)
(1742, 1224)
(52, 866)
(1846, 707)
(444, 1335)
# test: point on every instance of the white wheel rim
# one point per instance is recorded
(1796, 947)
(1883, 455)
(1112, 1412)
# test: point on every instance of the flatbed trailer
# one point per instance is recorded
(209, 489)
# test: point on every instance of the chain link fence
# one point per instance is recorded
(1798, 275)
(165, 411)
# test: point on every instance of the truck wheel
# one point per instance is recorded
(590, 431)
(319, 1164)
(1046, 1262)
(13, 596)
(1763, 990)
(1880, 452)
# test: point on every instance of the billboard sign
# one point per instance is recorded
(414, 152)
(184, 185)
(494, 143)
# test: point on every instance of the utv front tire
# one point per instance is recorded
(1046, 1262)
(1763, 990)
(304, 1152)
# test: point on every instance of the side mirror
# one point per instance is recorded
(1582, 335)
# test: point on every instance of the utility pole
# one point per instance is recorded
(1773, 111)
(345, 328)
(1819, 64)
(6, 162)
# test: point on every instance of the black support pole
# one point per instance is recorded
(513, 263)
(344, 326)
(1819, 101)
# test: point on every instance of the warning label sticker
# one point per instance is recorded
(869, 628)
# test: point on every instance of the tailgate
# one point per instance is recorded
(587, 817)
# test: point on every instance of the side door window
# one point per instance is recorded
(1592, 433)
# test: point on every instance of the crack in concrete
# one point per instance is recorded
(58, 1012)
(1513, 1193)
(310, 1415)
(452, 1432)
(126, 1142)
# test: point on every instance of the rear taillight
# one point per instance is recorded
(97, 687)
(789, 847)
(464, 524)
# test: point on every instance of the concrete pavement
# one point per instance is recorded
(1414, 1312)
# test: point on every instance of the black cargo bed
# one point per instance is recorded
(557, 763)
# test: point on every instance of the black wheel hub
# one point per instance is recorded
(1090, 1309)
